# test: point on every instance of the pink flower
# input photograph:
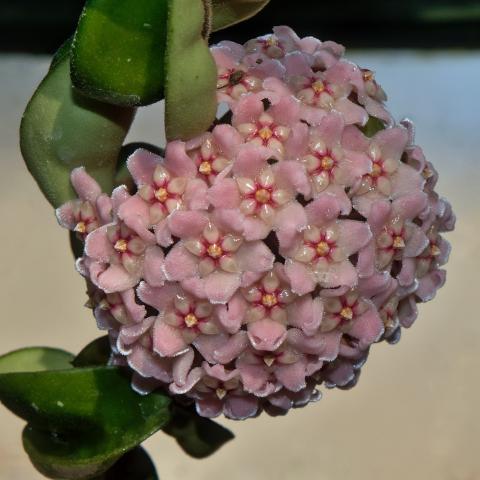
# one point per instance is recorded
(211, 260)
(276, 127)
(328, 163)
(90, 210)
(320, 254)
(266, 256)
(163, 187)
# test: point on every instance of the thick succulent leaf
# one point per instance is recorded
(230, 12)
(96, 353)
(61, 129)
(198, 436)
(373, 126)
(118, 50)
(190, 86)
(83, 419)
(134, 465)
(51, 457)
(35, 359)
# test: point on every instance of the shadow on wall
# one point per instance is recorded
(33, 26)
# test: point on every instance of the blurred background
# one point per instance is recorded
(33, 26)
(414, 413)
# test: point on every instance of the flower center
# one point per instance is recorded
(161, 194)
(318, 87)
(265, 133)
(121, 245)
(398, 242)
(269, 300)
(327, 162)
(80, 227)
(262, 195)
(205, 168)
(323, 248)
(191, 320)
(434, 250)
(367, 75)
(220, 393)
(214, 250)
(269, 359)
(346, 313)
(376, 170)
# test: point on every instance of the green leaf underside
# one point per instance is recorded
(373, 126)
(80, 421)
(196, 435)
(35, 359)
(61, 130)
(134, 465)
(190, 84)
(96, 353)
(229, 12)
(118, 50)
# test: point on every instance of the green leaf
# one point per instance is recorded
(373, 126)
(61, 130)
(230, 12)
(96, 353)
(81, 420)
(34, 359)
(134, 465)
(190, 86)
(198, 436)
(118, 50)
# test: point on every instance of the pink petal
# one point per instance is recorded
(367, 328)
(167, 340)
(306, 314)
(187, 224)
(240, 407)
(255, 257)
(115, 279)
(136, 312)
(231, 315)
(291, 175)
(220, 286)
(231, 348)
(141, 164)
(207, 345)
(180, 264)
(224, 194)
(323, 210)
(255, 229)
(301, 278)
(430, 283)
(65, 216)
(292, 377)
(85, 186)
(135, 213)
(227, 139)
(147, 365)
(339, 274)
(178, 162)
(153, 266)
(210, 407)
(353, 235)
(247, 109)
(195, 195)
(288, 222)
(250, 160)
(254, 377)
(157, 297)
(266, 334)
(392, 142)
(98, 246)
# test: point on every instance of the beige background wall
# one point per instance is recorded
(414, 414)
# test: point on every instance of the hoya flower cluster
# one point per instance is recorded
(266, 256)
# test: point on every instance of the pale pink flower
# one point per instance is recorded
(267, 255)
(90, 210)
